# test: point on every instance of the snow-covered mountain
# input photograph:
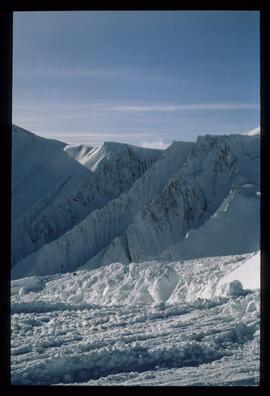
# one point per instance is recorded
(102, 225)
(173, 200)
(41, 170)
(79, 152)
(95, 158)
(214, 167)
(113, 168)
(233, 229)
(253, 132)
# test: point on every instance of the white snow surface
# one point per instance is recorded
(253, 132)
(40, 168)
(248, 273)
(153, 323)
(79, 152)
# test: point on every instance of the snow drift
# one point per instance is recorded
(170, 282)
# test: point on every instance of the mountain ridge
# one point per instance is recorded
(178, 191)
(113, 173)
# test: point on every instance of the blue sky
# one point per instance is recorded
(146, 78)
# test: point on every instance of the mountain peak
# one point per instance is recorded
(253, 132)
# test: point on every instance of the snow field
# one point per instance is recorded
(145, 283)
(87, 344)
(146, 323)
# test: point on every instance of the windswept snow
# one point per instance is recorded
(79, 152)
(138, 324)
(248, 273)
(93, 157)
(148, 282)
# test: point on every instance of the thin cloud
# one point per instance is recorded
(85, 108)
(183, 107)
(54, 70)
(60, 71)
(80, 72)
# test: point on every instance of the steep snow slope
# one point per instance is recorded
(247, 273)
(99, 228)
(216, 165)
(233, 229)
(79, 152)
(153, 323)
(40, 167)
(114, 168)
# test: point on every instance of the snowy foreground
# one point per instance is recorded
(193, 322)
